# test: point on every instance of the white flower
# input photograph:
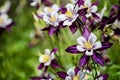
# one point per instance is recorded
(4, 20)
(71, 15)
(47, 58)
(72, 76)
(88, 45)
(91, 9)
(52, 19)
(49, 10)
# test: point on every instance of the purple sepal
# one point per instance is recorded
(51, 31)
(45, 69)
(41, 66)
(54, 64)
(86, 33)
(82, 12)
(54, 50)
(84, 60)
(72, 49)
(73, 28)
(96, 16)
(80, 2)
(98, 59)
(105, 45)
(105, 76)
(62, 74)
(96, 3)
(77, 69)
(63, 10)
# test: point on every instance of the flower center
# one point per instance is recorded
(46, 58)
(49, 9)
(1, 20)
(69, 14)
(108, 31)
(76, 78)
(87, 77)
(88, 45)
(53, 19)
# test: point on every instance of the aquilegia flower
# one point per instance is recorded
(88, 45)
(72, 74)
(4, 20)
(48, 59)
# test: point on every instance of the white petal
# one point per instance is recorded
(89, 53)
(94, 9)
(71, 72)
(92, 38)
(46, 19)
(52, 55)
(81, 40)
(68, 78)
(76, 9)
(80, 48)
(41, 59)
(88, 15)
(97, 45)
(54, 14)
(62, 17)
(70, 7)
(55, 7)
(79, 73)
(47, 63)
(74, 18)
(87, 3)
(67, 22)
(47, 51)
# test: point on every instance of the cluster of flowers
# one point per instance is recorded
(5, 21)
(82, 15)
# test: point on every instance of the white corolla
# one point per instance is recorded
(47, 57)
(70, 15)
(88, 45)
(4, 20)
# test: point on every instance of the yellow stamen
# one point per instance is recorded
(1, 20)
(53, 19)
(46, 58)
(76, 78)
(87, 77)
(49, 9)
(108, 31)
(69, 14)
(88, 45)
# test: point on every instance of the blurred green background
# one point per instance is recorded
(19, 47)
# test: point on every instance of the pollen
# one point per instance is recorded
(1, 20)
(46, 58)
(76, 78)
(69, 14)
(88, 45)
(53, 19)
(49, 9)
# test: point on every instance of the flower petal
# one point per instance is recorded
(94, 9)
(73, 28)
(70, 7)
(86, 33)
(41, 66)
(97, 45)
(72, 49)
(98, 59)
(67, 22)
(47, 51)
(92, 38)
(55, 64)
(71, 72)
(68, 78)
(80, 48)
(62, 74)
(47, 63)
(81, 40)
(76, 70)
(62, 17)
(89, 52)
(83, 60)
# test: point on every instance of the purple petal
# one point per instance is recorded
(80, 2)
(72, 49)
(54, 50)
(76, 70)
(45, 69)
(62, 74)
(96, 3)
(105, 76)
(63, 10)
(86, 33)
(51, 31)
(95, 16)
(84, 60)
(98, 59)
(82, 12)
(41, 66)
(54, 64)
(73, 28)
(105, 45)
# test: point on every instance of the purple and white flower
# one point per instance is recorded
(4, 20)
(48, 59)
(70, 15)
(72, 74)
